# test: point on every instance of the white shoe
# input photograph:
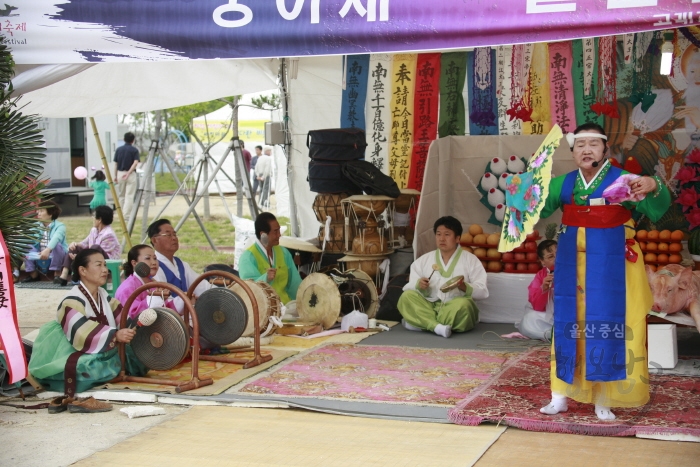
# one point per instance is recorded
(409, 326)
(443, 330)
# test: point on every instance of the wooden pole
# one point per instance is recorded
(118, 208)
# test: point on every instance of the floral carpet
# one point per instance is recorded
(515, 396)
(405, 375)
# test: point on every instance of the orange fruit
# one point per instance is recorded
(641, 234)
(475, 229)
(643, 246)
(653, 268)
(650, 258)
(662, 247)
(677, 235)
(675, 259)
(662, 258)
(665, 235)
(652, 246)
(653, 235)
(675, 247)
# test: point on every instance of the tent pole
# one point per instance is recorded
(288, 148)
(168, 162)
(147, 181)
(118, 207)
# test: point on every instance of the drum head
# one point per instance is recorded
(318, 300)
(451, 284)
(163, 344)
(373, 302)
(222, 315)
(263, 305)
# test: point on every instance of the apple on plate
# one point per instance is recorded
(530, 246)
(533, 267)
(507, 256)
(521, 267)
(519, 256)
(509, 267)
(531, 256)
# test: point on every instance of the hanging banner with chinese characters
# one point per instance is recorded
(539, 93)
(425, 115)
(10, 341)
(378, 111)
(403, 82)
(585, 70)
(507, 124)
(352, 114)
(78, 31)
(481, 74)
(561, 86)
(453, 69)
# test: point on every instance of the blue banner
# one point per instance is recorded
(61, 31)
(352, 114)
(481, 82)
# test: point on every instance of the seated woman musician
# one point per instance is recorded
(78, 350)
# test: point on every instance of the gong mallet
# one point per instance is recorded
(146, 318)
(435, 268)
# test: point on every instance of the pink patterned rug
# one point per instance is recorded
(515, 396)
(406, 375)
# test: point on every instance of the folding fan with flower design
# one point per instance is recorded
(527, 192)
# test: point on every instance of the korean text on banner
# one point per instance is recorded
(453, 68)
(378, 111)
(352, 114)
(403, 84)
(561, 86)
(425, 115)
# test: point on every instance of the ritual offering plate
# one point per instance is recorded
(451, 284)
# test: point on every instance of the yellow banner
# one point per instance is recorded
(248, 130)
(403, 83)
(539, 92)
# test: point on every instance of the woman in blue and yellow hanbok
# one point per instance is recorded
(601, 292)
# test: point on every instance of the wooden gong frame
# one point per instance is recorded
(258, 358)
(195, 382)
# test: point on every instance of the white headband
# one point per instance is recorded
(570, 137)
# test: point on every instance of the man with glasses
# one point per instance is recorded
(172, 269)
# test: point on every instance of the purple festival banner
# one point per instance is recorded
(63, 31)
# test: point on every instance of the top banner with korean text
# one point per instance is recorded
(76, 31)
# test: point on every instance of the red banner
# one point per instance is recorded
(10, 340)
(425, 115)
(561, 86)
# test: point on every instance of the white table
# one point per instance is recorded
(507, 297)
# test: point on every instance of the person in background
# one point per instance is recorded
(267, 261)
(101, 238)
(172, 269)
(263, 171)
(148, 298)
(52, 241)
(100, 186)
(78, 350)
(253, 163)
(246, 156)
(539, 314)
(422, 304)
(126, 159)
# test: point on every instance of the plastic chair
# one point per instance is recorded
(115, 270)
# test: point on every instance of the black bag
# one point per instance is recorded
(388, 310)
(372, 180)
(340, 144)
(327, 177)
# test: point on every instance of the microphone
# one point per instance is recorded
(142, 270)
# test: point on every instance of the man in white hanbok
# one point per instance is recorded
(422, 304)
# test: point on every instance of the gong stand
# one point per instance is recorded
(195, 382)
(258, 358)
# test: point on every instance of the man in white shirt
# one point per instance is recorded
(423, 305)
(263, 172)
(173, 270)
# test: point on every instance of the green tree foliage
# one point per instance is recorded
(181, 118)
(21, 163)
(271, 102)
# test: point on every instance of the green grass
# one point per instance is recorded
(165, 182)
(194, 247)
